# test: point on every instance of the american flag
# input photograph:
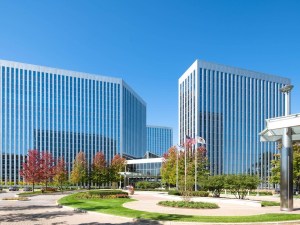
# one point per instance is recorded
(190, 140)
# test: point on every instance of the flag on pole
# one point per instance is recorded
(201, 140)
(190, 140)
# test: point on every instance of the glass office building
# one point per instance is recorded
(227, 106)
(159, 139)
(65, 112)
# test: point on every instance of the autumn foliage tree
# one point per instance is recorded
(32, 171)
(61, 174)
(99, 169)
(117, 165)
(79, 171)
(168, 168)
(47, 167)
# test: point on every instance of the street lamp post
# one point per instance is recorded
(286, 159)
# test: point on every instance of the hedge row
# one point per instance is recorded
(193, 205)
(261, 193)
(193, 193)
(147, 185)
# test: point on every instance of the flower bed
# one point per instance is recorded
(191, 205)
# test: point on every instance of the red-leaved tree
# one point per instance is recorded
(117, 165)
(99, 172)
(32, 172)
(47, 167)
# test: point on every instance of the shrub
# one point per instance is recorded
(240, 184)
(147, 185)
(200, 193)
(261, 193)
(173, 192)
(215, 184)
(191, 193)
(102, 194)
(193, 205)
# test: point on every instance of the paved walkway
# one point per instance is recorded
(147, 201)
(42, 210)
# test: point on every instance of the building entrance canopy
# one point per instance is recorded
(275, 127)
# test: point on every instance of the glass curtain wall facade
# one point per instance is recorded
(227, 106)
(65, 112)
(159, 139)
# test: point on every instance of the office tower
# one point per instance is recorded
(65, 112)
(228, 106)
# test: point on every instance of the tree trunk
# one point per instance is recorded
(33, 187)
(61, 187)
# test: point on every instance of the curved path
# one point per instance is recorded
(147, 201)
(42, 210)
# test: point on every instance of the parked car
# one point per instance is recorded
(27, 189)
(13, 188)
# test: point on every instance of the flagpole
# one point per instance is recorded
(185, 149)
(196, 166)
(176, 168)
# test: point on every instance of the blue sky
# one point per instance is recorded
(151, 43)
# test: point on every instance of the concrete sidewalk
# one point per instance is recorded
(147, 201)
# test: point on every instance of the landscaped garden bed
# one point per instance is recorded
(115, 207)
(100, 194)
(190, 205)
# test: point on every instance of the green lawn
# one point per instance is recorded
(269, 203)
(114, 207)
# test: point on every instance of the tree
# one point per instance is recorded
(168, 168)
(60, 173)
(79, 171)
(275, 171)
(215, 184)
(240, 184)
(99, 169)
(32, 171)
(117, 165)
(275, 177)
(47, 167)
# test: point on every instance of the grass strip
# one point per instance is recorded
(269, 203)
(114, 207)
